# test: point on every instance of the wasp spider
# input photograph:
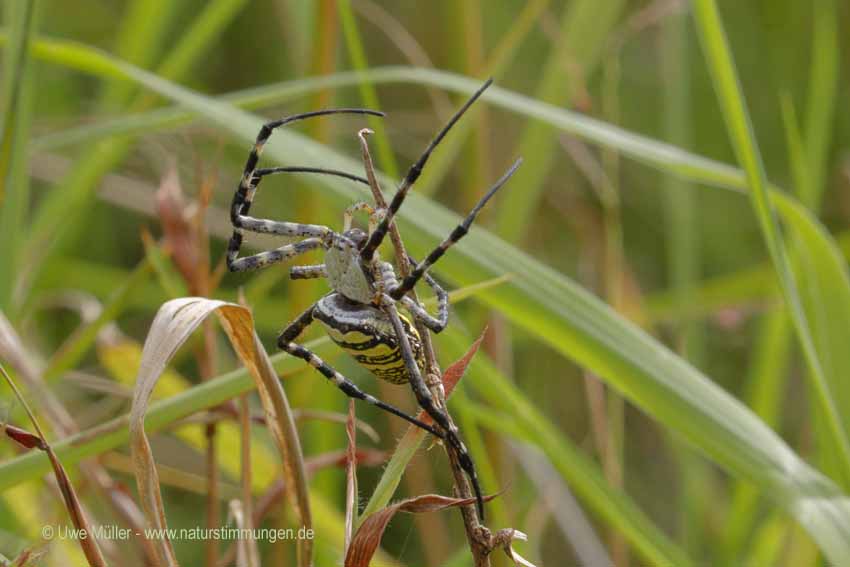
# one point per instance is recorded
(360, 314)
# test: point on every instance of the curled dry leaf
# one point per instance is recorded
(368, 536)
(24, 438)
(453, 374)
(174, 323)
(504, 539)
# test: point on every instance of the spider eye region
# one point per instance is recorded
(357, 236)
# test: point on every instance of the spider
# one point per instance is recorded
(360, 314)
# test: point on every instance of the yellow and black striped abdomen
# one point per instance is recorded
(366, 333)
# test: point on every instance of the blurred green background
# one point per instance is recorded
(672, 254)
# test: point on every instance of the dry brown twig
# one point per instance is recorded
(89, 545)
(481, 541)
(60, 420)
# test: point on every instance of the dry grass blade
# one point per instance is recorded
(350, 477)
(88, 544)
(368, 536)
(246, 508)
(174, 323)
(179, 233)
(247, 554)
(29, 558)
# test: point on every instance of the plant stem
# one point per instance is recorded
(477, 535)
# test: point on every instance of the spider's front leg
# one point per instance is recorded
(250, 180)
(459, 232)
(240, 207)
(286, 342)
(247, 263)
(377, 236)
(308, 272)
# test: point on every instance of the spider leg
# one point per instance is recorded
(251, 177)
(413, 173)
(458, 233)
(308, 272)
(285, 342)
(240, 219)
(426, 401)
(241, 205)
(348, 215)
(263, 259)
(436, 324)
(245, 192)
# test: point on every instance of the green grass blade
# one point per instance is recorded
(823, 88)
(585, 29)
(803, 185)
(72, 352)
(569, 319)
(17, 113)
(386, 159)
(743, 141)
(664, 157)
(519, 418)
(683, 261)
(766, 380)
(683, 253)
(68, 208)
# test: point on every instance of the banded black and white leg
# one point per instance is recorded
(243, 222)
(459, 232)
(417, 310)
(308, 272)
(426, 402)
(377, 236)
(286, 342)
(250, 180)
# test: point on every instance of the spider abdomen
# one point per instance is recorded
(366, 333)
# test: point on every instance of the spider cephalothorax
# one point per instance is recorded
(360, 314)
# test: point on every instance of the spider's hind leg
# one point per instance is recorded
(416, 309)
(286, 342)
(426, 401)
